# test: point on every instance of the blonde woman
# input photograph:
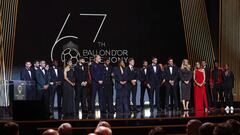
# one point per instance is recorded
(185, 77)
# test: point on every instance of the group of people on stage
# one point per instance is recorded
(80, 83)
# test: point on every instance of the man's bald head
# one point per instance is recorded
(65, 129)
(50, 132)
(101, 130)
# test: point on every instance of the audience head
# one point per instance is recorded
(65, 129)
(50, 132)
(235, 126)
(223, 129)
(206, 129)
(102, 130)
(11, 128)
(193, 126)
(156, 131)
(104, 124)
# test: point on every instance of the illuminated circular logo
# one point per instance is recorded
(70, 53)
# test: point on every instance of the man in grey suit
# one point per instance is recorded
(42, 80)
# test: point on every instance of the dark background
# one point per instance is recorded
(144, 28)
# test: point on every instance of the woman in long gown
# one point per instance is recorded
(186, 77)
(68, 91)
(200, 97)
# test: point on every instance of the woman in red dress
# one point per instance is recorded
(200, 97)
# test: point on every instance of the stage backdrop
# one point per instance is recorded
(62, 29)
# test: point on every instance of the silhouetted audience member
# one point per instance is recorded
(101, 130)
(50, 132)
(104, 123)
(156, 131)
(206, 129)
(193, 127)
(235, 126)
(11, 128)
(223, 129)
(65, 129)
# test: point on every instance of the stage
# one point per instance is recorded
(173, 122)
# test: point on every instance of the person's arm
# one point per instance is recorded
(204, 78)
(66, 78)
(194, 77)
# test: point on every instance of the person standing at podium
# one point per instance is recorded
(27, 74)
(43, 80)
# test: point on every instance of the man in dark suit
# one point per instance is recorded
(171, 73)
(143, 78)
(207, 82)
(97, 82)
(56, 75)
(108, 86)
(43, 80)
(122, 90)
(133, 76)
(154, 82)
(81, 75)
(28, 75)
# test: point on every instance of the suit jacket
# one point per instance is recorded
(42, 79)
(142, 75)
(207, 74)
(154, 79)
(173, 76)
(120, 77)
(56, 78)
(107, 75)
(81, 74)
(228, 81)
(24, 75)
(96, 73)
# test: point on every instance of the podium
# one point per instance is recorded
(15, 95)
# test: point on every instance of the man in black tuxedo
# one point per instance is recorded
(171, 73)
(155, 78)
(28, 75)
(133, 76)
(143, 78)
(43, 80)
(81, 75)
(207, 82)
(108, 86)
(56, 75)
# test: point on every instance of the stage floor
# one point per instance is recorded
(143, 114)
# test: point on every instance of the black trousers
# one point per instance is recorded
(228, 96)
(217, 90)
(122, 100)
(56, 89)
(43, 96)
(171, 90)
(81, 97)
(133, 90)
(143, 89)
(209, 94)
(107, 95)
